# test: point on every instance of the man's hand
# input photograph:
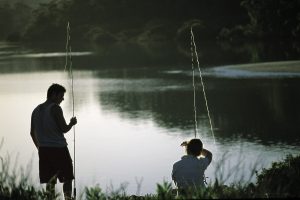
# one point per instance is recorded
(73, 121)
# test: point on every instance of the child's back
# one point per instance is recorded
(189, 171)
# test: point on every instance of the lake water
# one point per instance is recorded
(132, 119)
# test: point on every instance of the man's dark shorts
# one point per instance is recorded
(54, 161)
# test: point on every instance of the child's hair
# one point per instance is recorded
(193, 147)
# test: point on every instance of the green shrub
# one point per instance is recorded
(164, 190)
(15, 181)
(282, 179)
(94, 193)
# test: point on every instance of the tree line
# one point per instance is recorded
(109, 21)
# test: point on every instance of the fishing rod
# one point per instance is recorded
(69, 57)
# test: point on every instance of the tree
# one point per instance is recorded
(273, 18)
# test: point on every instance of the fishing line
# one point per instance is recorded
(69, 58)
(194, 52)
(194, 90)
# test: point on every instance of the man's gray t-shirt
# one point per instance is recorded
(46, 130)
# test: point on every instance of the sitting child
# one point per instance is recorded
(188, 173)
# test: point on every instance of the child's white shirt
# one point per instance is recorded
(189, 171)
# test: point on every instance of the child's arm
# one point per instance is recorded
(207, 154)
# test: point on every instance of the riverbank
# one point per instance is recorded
(280, 69)
(279, 181)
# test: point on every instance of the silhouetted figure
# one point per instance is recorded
(48, 126)
(188, 173)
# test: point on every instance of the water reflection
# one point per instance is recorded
(255, 109)
(160, 54)
(261, 109)
(146, 112)
(264, 109)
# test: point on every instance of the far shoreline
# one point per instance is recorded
(276, 69)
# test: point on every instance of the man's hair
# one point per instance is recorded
(194, 147)
(55, 89)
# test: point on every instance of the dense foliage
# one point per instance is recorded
(282, 179)
(269, 20)
(108, 21)
(13, 20)
(123, 20)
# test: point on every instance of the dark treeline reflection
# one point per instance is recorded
(262, 110)
(179, 54)
(266, 109)
(160, 55)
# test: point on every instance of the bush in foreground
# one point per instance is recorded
(281, 180)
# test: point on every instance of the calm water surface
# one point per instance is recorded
(131, 121)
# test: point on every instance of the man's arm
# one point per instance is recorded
(32, 132)
(58, 116)
(174, 175)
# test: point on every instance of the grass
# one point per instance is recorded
(15, 181)
(281, 180)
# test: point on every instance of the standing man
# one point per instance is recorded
(48, 127)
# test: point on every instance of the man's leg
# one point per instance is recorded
(50, 188)
(67, 173)
(67, 187)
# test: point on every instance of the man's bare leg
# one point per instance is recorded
(67, 187)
